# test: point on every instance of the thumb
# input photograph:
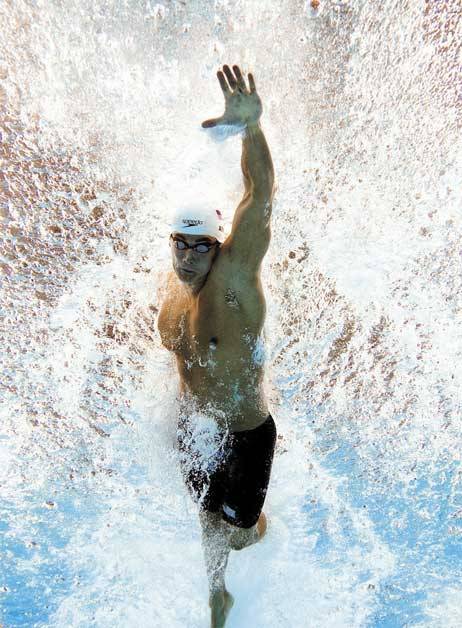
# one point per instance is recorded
(207, 124)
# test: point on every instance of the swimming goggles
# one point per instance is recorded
(181, 245)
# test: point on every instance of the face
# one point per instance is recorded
(190, 266)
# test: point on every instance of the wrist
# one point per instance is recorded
(252, 132)
(252, 126)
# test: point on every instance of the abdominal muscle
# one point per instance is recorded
(235, 404)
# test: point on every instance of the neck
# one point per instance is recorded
(193, 289)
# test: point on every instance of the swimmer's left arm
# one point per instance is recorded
(243, 108)
(257, 166)
(250, 234)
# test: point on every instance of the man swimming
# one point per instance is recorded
(212, 319)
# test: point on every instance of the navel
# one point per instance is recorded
(213, 342)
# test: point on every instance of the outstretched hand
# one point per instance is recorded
(242, 104)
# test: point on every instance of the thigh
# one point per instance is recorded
(248, 473)
(206, 489)
(203, 475)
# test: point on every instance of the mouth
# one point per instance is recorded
(188, 271)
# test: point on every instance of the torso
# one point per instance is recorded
(216, 339)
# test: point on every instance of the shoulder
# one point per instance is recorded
(164, 289)
(232, 270)
(163, 283)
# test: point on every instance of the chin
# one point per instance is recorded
(185, 277)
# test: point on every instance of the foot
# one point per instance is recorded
(261, 525)
(220, 604)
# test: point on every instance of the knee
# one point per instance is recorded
(241, 537)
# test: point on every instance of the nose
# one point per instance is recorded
(189, 255)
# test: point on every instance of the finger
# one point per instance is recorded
(253, 89)
(230, 76)
(223, 83)
(208, 124)
(240, 79)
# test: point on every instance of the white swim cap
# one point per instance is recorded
(198, 220)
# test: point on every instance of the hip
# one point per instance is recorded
(229, 414)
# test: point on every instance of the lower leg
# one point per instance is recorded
(216, 552)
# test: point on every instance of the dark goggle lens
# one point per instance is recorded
(202, 248)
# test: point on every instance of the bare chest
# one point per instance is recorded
(219, 324)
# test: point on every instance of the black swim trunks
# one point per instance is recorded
(228, 472)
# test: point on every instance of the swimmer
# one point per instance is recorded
(211, 319)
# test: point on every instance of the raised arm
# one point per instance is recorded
(257, 165)
(250, 234)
